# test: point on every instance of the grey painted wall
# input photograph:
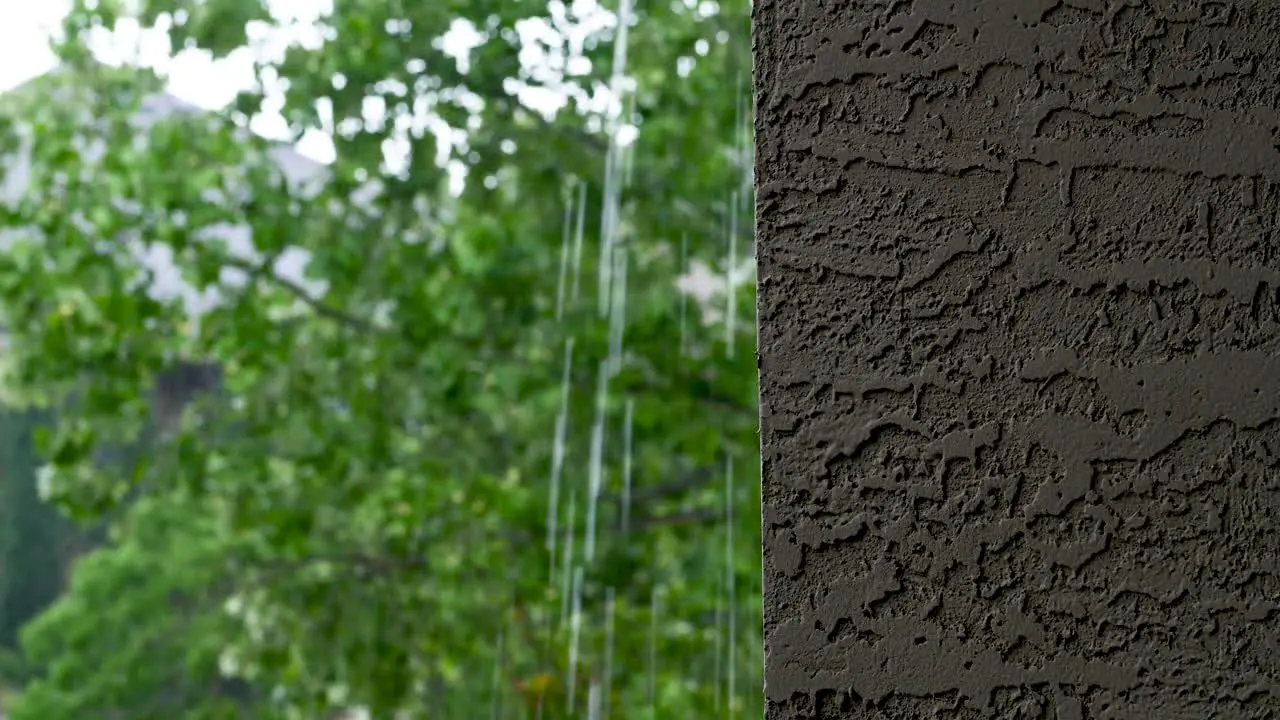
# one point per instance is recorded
(1020, 358)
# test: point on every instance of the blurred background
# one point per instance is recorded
(378, 359)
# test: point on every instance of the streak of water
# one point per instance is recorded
(594, 702)
(731, 276)
(628, 434)
(742, 126)
(731, 595)
(629, 164)
(595, 473)
(558, 455)
(620, 46)
(613, 160)
(735, 207)
(575, 639)
(655, 603)
(579, 232)
(566, 244)
(719, 642)
(566, 586)
(610, 620)
(618, 309)
(608, 226)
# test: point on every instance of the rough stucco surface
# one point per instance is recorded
(1020, 358)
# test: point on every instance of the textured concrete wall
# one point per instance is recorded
(1020, 358)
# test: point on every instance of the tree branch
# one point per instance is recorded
(264, 271)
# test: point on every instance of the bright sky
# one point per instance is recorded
(24, 52)
(194, 77)
(24, 55)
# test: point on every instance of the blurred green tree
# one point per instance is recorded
(496, 450)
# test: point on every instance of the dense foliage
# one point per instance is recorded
(499, 465)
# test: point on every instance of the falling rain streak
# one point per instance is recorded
(595, 473)
(567, 573)
(576, 637)
(655, 606)
(582, 524)
(566, 246)
(627, 439)
(579, 232)
(558, 451)
(610, 625)
(615, 160)
(731, 595)
(730, 277)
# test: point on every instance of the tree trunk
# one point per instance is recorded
(1020, 358)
